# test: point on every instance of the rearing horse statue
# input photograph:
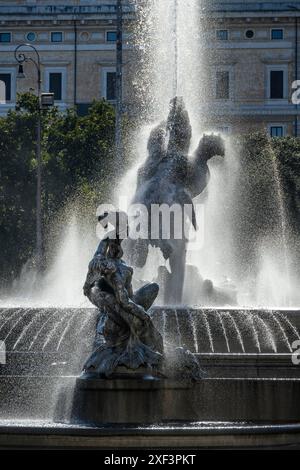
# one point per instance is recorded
(169, 176)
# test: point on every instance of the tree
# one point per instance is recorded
(265, 197)
(288, 156)
(77, 159)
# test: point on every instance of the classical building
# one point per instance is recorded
(76, 41)
(254, 64)
(252, 53)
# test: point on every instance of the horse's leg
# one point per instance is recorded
(174, 291)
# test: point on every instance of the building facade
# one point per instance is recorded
(254, 65)
(252, 55)
(76, 41)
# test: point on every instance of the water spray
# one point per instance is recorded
(175, 84)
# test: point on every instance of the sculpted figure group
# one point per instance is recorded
(170, 176)
(130, 340)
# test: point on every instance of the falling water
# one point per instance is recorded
(27, 327)
(85, 322)
(178, 328)
(266, 333)
(195, 338)
(175, 86)
(220, 316)
(54, 330)
(15, 324)
(255, 333)
(164, 325)
(61, 284)
(65, 331)
(14, 314)
(251, 331)
(290, 325)
(214, 258)
(236, 328)
(284, 335)
(203, 331)
(169, 39)
(208, 331)
(40, 331)
(283, 227)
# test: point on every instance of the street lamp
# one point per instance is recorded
(21, 73)
(21, 58)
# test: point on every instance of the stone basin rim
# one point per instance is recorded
(171, 428)
(164, 308)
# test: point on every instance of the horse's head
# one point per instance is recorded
(210, 146)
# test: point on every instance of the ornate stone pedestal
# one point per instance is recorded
(130, 401)
(157, 401)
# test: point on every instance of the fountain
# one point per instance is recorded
(196, 344)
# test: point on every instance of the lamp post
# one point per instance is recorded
(21, 58)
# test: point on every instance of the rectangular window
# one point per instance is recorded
(56, 36)
(222, 34)
(5, 86)
(111, 86)
(111, 36)
(5, 37)
(276, 84)
(277, 34)
(55, 85)
(277, 131)
(222, 85)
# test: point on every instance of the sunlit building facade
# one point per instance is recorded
(76, 41)
(254, 66)
(253, 58)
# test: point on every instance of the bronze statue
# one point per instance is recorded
(169, 176)
(130, 338)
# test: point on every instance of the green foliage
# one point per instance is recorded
(288, 156)
(80, 152)
(27, 102)
(77, 158)
(267, 192)
(250, 194)
(258, 181)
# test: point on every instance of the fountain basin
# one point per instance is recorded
(194, 435)
(157, 401)
(251, 376)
